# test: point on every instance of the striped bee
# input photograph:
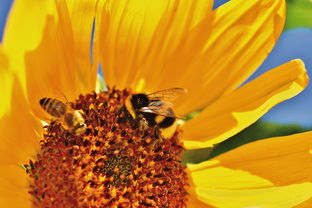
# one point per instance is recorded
(154, 110)
(70, 119)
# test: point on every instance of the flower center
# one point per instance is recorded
(111, 164)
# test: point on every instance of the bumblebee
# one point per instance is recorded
(70, 119)
(154, 110)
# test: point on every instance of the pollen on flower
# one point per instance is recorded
(112, 164)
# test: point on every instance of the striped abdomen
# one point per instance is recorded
(53, 106)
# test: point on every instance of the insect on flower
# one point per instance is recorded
(70, 119)
(153, 110)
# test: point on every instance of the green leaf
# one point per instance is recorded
(299, 14)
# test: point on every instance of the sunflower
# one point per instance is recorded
(54, 48)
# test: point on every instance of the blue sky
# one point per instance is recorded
(4, 9)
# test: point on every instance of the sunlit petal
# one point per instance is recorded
(273, 197)
(241, 36)
(239, 109)
(81, 15)
(268, 173)
(194, 202)
(139, 38)
(24, 29)
(13, 189)
(289, 157)
(6, 81)
(19, 130)
(61, 66)
(19, 139)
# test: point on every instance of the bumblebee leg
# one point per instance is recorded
(156, 133)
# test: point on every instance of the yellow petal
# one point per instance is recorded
(19, 130)
(306, 204)
(24, 30)
(81, 14)
(239, 109)
(274, 197)
(25, 24)
(137, 38)
(19, 139)
(194, 202)
(282, 160)
(268, 173)
(210, 56)
(242, 35)
(6, 83)
(60, 66)
(13, 189)
(211, 174)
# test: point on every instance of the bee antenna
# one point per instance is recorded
(62, 94)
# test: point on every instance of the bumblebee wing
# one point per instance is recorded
(161, 108)
(167, 94)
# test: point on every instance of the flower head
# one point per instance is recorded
(112, 164)
(119, 160)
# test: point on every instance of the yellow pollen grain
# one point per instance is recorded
(110, 134)
(151, 164)
(100, 188)
(102, 178)
(144, 178)
(113, 192)
(135, 183)
(91, 106)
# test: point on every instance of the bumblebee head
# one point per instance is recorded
(139, 100)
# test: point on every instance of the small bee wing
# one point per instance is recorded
(167, 94)
(161, 108)
(60, 107)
